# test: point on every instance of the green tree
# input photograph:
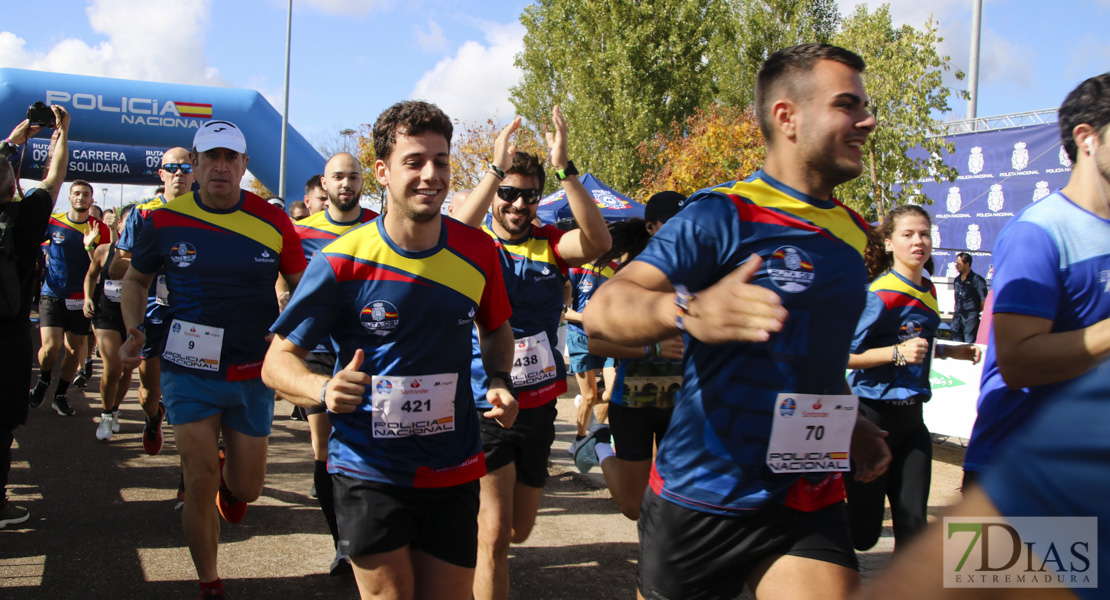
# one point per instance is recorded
(622, 71)
(904, 82)
(472, 149)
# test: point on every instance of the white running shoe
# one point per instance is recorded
(115, 421)
(104, 430)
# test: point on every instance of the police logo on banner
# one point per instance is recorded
(935, 235)
(1064, 160)
(183, 254)
(1040, 191)
(951, 273)
(790, 269)
(379, 317)
(1020, 158)
(995, 199)
(975, 161)
(974, 238)
(954, 200)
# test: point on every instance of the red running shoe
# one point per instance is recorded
(231, 508)
(152, 436)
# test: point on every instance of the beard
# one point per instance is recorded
(342, 205)
(509, 227)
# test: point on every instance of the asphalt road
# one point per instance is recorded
(103, 526)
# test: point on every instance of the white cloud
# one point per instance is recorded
(431, 40)
(474, 84)
(155, 40)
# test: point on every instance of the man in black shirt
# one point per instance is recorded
(22, 226)
(971, 293)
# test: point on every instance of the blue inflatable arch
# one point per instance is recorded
(123, 113)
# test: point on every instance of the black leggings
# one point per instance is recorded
(906, 482)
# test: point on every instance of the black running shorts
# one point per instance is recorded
(53, 313)
(527, 443)
(375, 518)
(694, 555)
(637, 429)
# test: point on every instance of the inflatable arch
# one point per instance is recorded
(114, 115)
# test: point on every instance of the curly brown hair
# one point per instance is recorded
(412, 118)
(877, 258)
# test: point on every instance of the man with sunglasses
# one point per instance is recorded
(534, 262)
(177, 177)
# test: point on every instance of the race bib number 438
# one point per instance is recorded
(811, 433)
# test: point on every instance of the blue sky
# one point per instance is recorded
(353, 58)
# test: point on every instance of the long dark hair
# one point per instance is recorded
(880, 261)
(629, 237)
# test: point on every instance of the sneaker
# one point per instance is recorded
(62, 407)
(82, 379)
(104, 430)
(11, 514)
(152, 435)
(312, 491)
(38, 393)
(215, 592)
(585, 457)
(340, 566)
(231, 508)
(115, 421)
(180, 493)
(298, 414)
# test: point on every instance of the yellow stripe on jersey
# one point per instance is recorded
(319, 221)
(891, 282)
(535, 249)
(241, 222)
(444, 267)
(837, 220)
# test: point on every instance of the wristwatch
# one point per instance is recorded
(566, 171)
(508, 379)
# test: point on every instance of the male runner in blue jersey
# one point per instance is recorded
(534, 262)
(342, 181)
(1051, 285)
(766, 279)
(63, 325)
(399, 297)
(222, 249)
(177, 177)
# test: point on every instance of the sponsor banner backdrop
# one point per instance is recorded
(1000, 173)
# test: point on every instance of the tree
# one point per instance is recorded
(256, 187)
(472, 148)
(622, 71)
(710, 147)
(371, 189)
(904, 84)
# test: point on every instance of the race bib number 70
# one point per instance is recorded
(811, 433)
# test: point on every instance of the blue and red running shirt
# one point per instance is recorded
(584, 281)
(67, 260)
(534, 277)
(412, 314)
(1052, 261)
(221, 266)
(896, 311)
(319, 230)
(136, 220)
(713, 458)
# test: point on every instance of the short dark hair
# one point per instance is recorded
(412, 118)
(313, 183)
(1089, 103)
(78, 182)
(297, 204)
(784, 69)
(964, 256)
(528, 165)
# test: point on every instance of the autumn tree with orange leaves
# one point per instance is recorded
(711, 146)
(472, 149)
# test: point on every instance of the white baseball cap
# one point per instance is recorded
(220, 134)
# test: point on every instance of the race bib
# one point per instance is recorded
(162, 293)
(533, 362)
(811, 433)
(75, 303)
(417, 405)
(194, 346)
(112, 288)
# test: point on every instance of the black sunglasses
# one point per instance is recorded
(174, 167)
(509, 193)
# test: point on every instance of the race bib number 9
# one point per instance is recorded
(194, 346)
(418, 405)
(811, 433)
(533, 361)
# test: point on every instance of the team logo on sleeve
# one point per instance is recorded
(183, 254)
(790, 269)
(379, 318)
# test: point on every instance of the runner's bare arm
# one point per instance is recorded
(637, 307)
(592, 238)
(472, 210)
(133, 306)
(1030, 354)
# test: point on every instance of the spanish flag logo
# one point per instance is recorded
(194, 110)
(838, 455)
